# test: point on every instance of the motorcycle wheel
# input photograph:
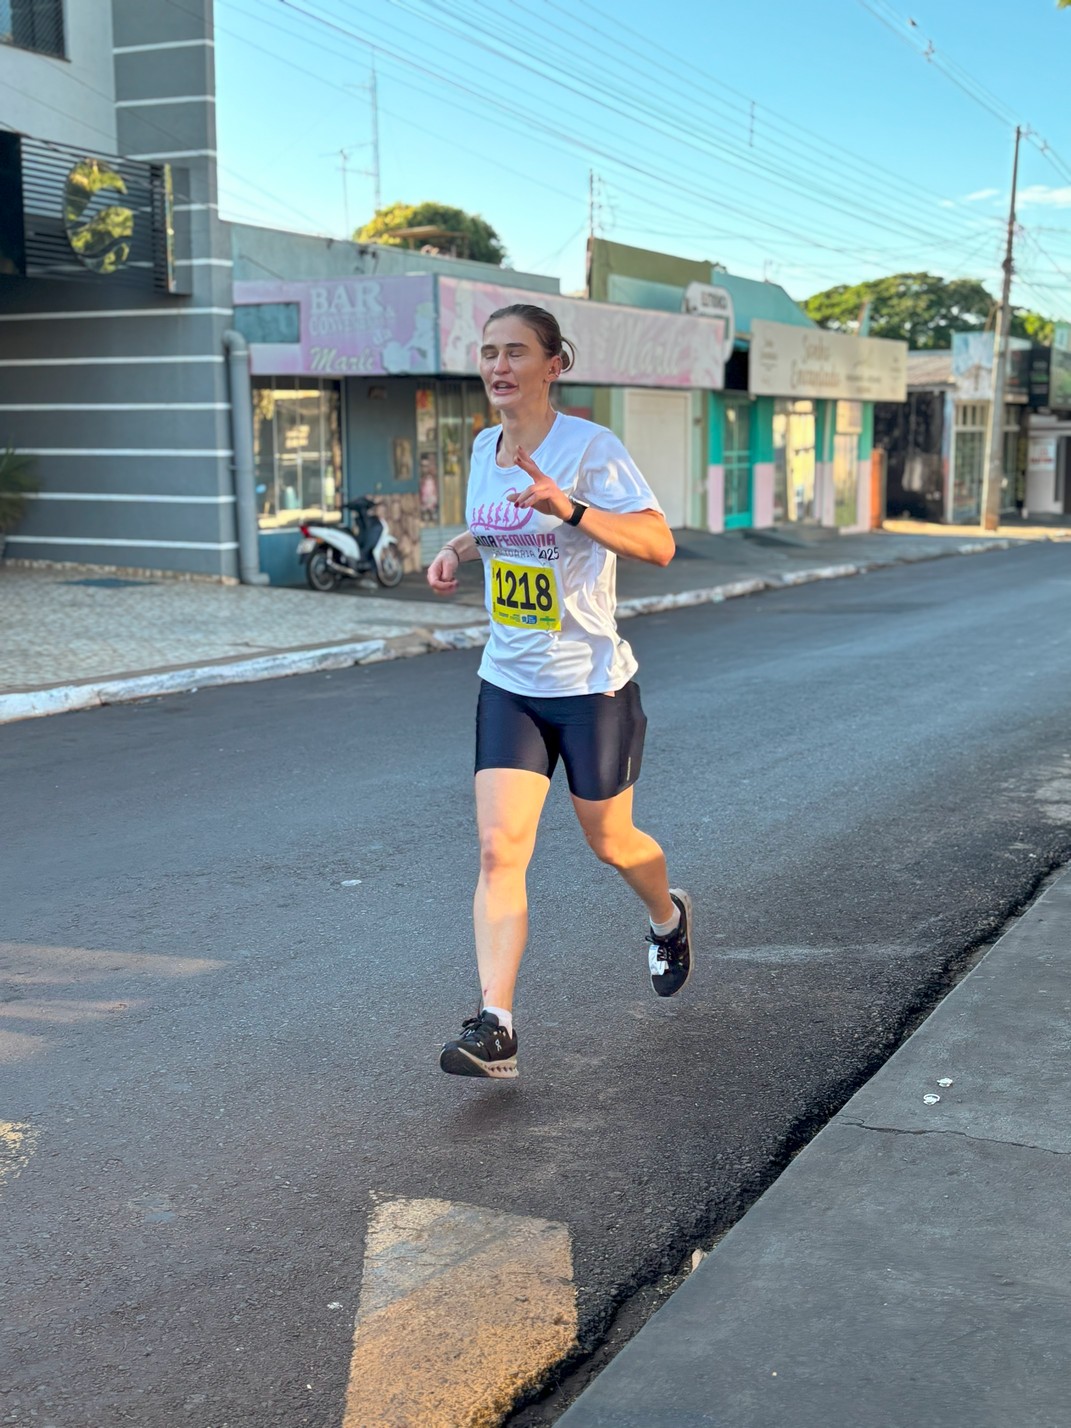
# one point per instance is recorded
(389, 570)
(319, 574)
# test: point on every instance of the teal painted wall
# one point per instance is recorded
(716, 425)
(762, 415)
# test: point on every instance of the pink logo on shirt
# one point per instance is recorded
(504, 516)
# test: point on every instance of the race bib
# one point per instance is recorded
(525, 596)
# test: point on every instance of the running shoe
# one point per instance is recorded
(670, 957)
(482, 1049)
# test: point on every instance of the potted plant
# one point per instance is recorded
(17, 481)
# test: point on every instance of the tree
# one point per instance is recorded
(1026, 323)
(920, 309)
(434, 227)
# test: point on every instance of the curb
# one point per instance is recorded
(69, 698)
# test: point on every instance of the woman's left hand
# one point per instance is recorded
(543, 495)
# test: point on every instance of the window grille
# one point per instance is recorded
(33, 25)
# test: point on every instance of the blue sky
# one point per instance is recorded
(808, 143)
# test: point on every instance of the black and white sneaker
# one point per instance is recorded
(670, 958)
(483, 1049)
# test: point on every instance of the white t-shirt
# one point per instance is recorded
(550, 589)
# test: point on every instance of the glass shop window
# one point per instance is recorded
(297, 449)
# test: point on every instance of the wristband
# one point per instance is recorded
(454, 552)
(579, 507)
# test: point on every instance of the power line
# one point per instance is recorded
(655, 175)
(681, 130)
(788, 126)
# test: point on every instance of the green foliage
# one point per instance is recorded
(919, 308)
(460, 234)
(16, 483)
(1026, 323)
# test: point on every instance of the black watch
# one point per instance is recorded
(579, 507)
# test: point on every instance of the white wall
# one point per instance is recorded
(72, 100)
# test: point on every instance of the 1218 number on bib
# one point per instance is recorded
(524, 596)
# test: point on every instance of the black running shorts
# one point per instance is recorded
(599, 737)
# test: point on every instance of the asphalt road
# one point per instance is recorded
(214, 1056)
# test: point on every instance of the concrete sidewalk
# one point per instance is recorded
(73, 638)
(912, 1266)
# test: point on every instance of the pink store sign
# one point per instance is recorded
(616, 346)
(351, 327)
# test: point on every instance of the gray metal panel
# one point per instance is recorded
(167, 128)
(104, 336)
(142, 22)
(160, 429)
(134, 381)
(134, 475)
(129, 520)
(150, 74)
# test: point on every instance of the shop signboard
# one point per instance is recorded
(707, 300)
(351, 327)
(789, 361)
(1060, 368)
(972, 366)
(1041, 458)
(615, 346)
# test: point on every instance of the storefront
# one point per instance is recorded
(370, 386)
(935, 444)
(822, 386)
(1047, 483)
(794, 447)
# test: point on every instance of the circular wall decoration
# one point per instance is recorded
(98, 230)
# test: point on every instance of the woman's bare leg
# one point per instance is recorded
(508, 805)
(615, 839)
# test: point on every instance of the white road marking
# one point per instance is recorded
(461, 1310)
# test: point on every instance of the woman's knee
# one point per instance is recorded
(608, 846)
(502, 852)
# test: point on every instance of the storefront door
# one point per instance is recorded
(737, 460)
(794, 457)
(450, 415)
(658, 431)
(846, 463)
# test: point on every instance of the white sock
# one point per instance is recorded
(505, 1018)
(663, 929)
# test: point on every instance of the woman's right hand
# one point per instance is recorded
(442, 572)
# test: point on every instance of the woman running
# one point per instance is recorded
(552, 501)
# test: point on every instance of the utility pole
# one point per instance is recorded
(375, 138)
(993, 474)
(343, 164)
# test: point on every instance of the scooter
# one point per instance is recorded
(331, 554)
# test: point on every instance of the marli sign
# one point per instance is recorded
(616, 346)
(791, 361)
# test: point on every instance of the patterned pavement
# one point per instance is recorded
(55, 629)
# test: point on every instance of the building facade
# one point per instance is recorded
(785, 441)
(115, 285)
(370, 384)
(934, 444)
